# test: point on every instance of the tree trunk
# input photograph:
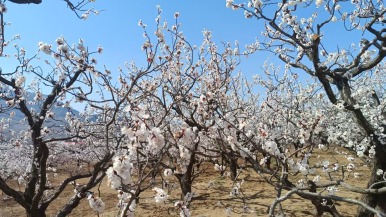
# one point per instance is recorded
(36, 213)
(320, 208)
(231, 160)
(379, 160)
(233, 166)
(375, 201)
(67, 209)
(186, 179)
(185, 184)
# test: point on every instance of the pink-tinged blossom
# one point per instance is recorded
(161, 195)
(140, 23)
(80, 45)
(184, 153)
(50, 114)
(219, 168)
(229, 3)
(168, 173)
(63, 48)
(21, 180)
(142, 133)
(203, 98)
(160, 35)
(188, 197)
(60, 41)
(46, 48)
(45, 131)
(85, 15)
(319, 3)
(114, 181)
(100, 49)
(256, 3)
(129, 132)
(3, 8)
(271, 147)
(138, 112)
(10, 102)
(96, 204)
(235, 191)
(146, 45)
(185, 212)
(245, 153)
(232, 141)
(156, 140)
(120, 173)
(124, 199)
(122, 166)
(19, 81)
(124, 196)
(247, 14)
(188, 136)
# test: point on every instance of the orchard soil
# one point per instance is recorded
(211, 196)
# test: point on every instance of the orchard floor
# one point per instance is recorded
(212, 199)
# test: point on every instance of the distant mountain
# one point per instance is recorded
(35, 107)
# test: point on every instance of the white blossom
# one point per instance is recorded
(161, 195)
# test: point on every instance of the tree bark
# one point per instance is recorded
(36, 213)
(185, 184)
(231, 160)
(376, 201)
(71, 205)
(379, 160)
(186, 179)
(317, 202)
(233, 166)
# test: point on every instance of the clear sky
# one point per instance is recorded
(116, 28)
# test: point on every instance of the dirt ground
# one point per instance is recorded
(212, 199)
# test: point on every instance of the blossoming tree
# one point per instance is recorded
(185, 95)
(186, 106)
(303, 43)
(78, 7)
(35, 96)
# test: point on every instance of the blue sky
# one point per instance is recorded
(117, 30)
(116, 27)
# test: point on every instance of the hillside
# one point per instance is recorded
(18, 121)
